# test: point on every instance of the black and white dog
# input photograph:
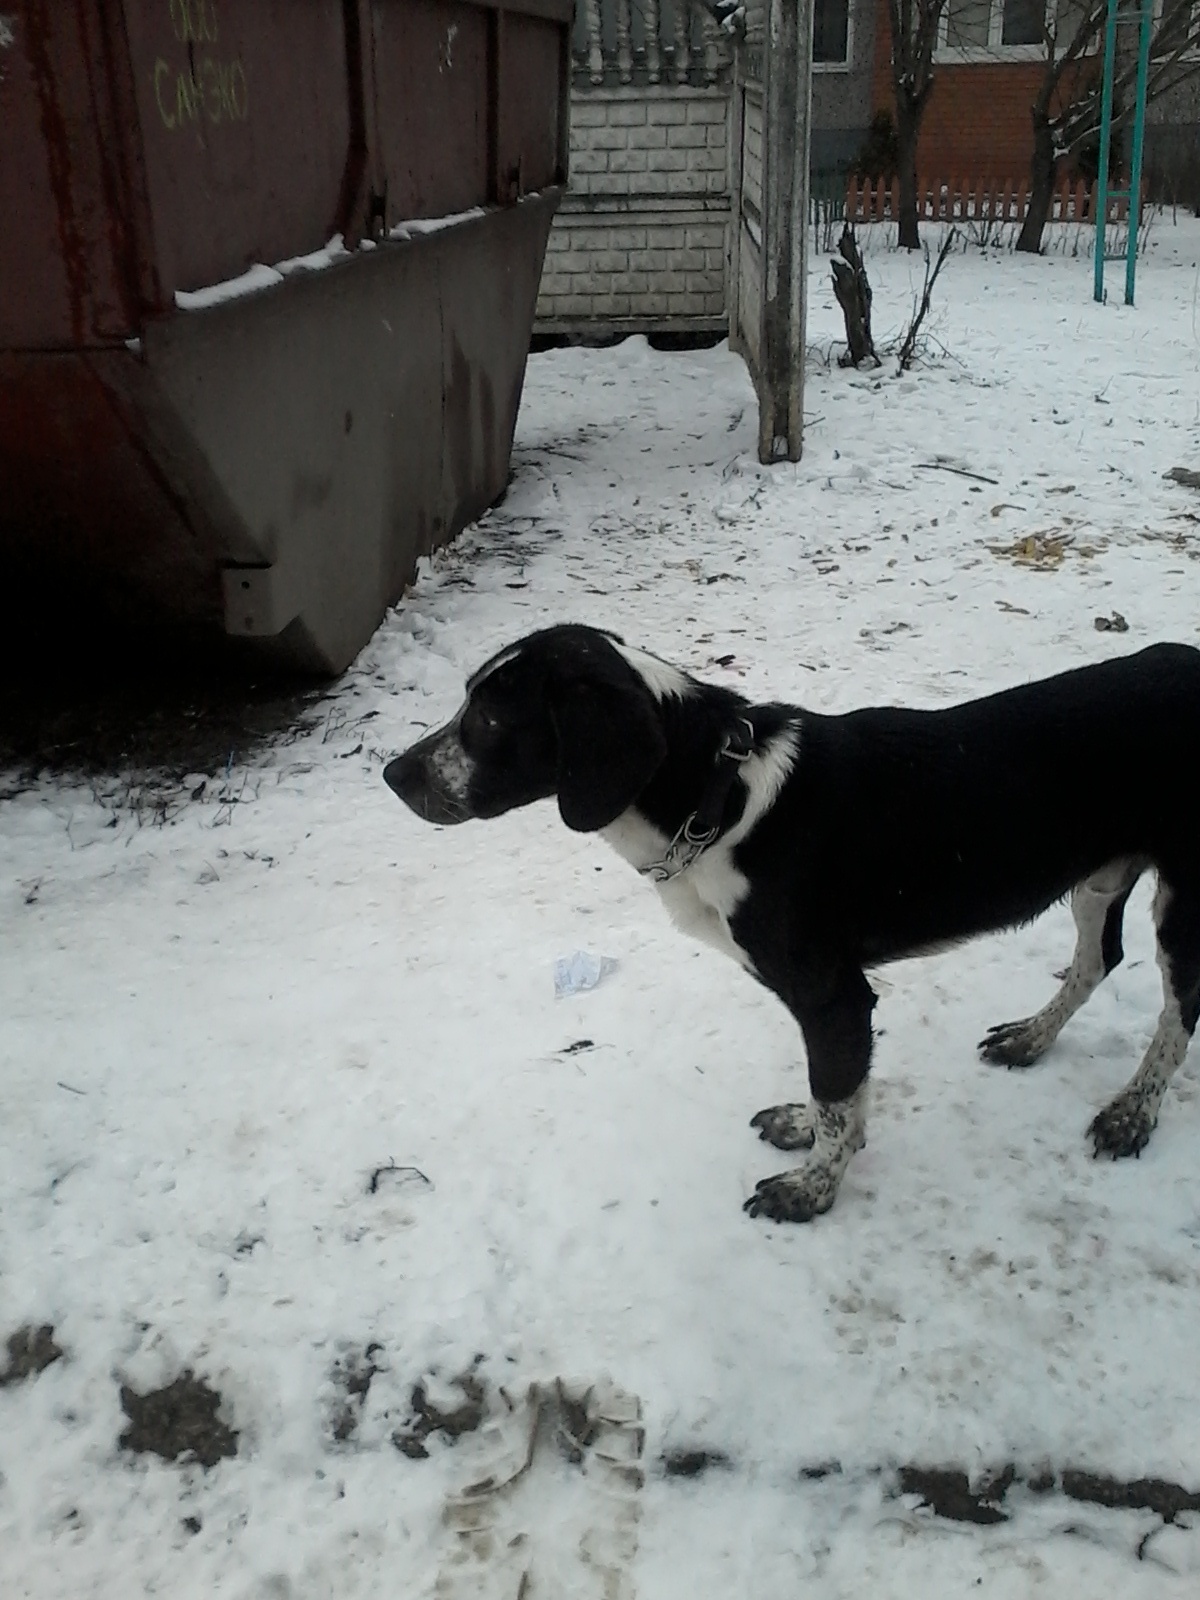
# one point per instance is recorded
(810, 847)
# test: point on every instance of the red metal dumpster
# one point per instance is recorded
(245, 381)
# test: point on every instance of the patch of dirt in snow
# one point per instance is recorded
(30, 1351)
(692, 1463)
(451, 1415)
(179, 1419)
(352, 1375)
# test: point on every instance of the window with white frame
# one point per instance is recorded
(1006, 30)
(831, 33)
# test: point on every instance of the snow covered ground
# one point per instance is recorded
(219, 1034)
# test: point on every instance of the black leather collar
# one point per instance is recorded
(701, 828)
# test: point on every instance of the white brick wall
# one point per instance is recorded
(640, 240)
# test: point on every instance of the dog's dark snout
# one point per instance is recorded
(411, 776)
(405, 776)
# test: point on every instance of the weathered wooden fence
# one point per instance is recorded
(973, 200)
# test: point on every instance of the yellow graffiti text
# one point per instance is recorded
(208, 91)
(194, 21)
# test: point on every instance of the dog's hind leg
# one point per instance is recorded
(833, 1125)
(1098, 907)
(1126, 1123)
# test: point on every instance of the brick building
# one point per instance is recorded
(989, 63)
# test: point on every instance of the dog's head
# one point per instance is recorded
(563, 713)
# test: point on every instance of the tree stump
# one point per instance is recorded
(853, 293)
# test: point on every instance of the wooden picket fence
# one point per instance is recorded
(983, 200)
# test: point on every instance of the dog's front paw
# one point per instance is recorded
(794, 1196)
(787, 1127)
(1014, 1044)
(1123, 1128)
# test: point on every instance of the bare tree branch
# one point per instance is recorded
(908, 345)
(1066, 111)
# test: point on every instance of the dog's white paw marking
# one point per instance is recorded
(1124, 1127)
(835, 1129)
(788, 1127)
(552, 1504)
(1019, 1044)
(795, 1196)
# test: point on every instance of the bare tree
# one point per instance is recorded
(1066, 112)
(914, 26)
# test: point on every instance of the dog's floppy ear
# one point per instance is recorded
(610, 744)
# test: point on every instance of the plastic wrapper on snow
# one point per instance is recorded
(577, 973)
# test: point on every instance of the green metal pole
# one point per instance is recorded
(1110, 54)
(1139, 129)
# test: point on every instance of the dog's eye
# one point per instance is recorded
(479, 725)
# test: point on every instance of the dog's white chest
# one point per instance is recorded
(699, 901)
(702, 900)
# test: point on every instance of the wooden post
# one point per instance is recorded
(788, 72)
